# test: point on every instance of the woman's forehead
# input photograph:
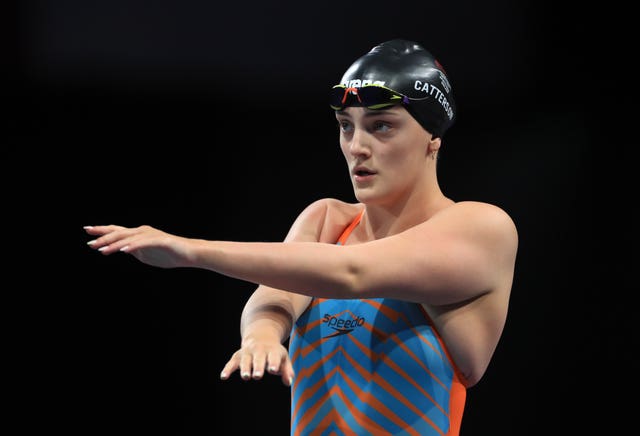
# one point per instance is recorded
(360, 111)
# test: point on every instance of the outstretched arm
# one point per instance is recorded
(457, 254)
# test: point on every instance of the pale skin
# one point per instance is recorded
(457, 259)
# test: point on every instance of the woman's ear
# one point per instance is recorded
(433, 146)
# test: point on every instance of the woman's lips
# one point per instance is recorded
(362, 174)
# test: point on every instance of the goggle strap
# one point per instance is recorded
(347, 91)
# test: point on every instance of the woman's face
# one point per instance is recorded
(385, 151)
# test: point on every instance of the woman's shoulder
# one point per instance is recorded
(477, 215)
(328, 217)
(478, 208)
(335, 208)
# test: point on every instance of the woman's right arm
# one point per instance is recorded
(269, 314)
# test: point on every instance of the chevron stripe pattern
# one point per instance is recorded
(370, 367)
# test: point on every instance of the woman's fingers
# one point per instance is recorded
(253, 365)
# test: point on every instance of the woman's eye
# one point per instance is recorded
(345, 126)
(381, 126)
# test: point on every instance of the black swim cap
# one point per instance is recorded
(407, 68)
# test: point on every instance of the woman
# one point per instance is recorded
(392, 306)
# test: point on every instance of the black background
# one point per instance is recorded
(210, 120)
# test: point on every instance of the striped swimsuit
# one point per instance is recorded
(371, 367)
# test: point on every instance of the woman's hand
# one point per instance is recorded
(258, 355)
(147, 244)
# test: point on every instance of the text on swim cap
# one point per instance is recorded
(439, 95)
(357, 83)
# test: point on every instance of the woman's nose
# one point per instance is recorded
(359, 143)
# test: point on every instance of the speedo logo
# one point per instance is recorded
(342, 326)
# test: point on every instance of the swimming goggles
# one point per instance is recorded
(370, 96)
